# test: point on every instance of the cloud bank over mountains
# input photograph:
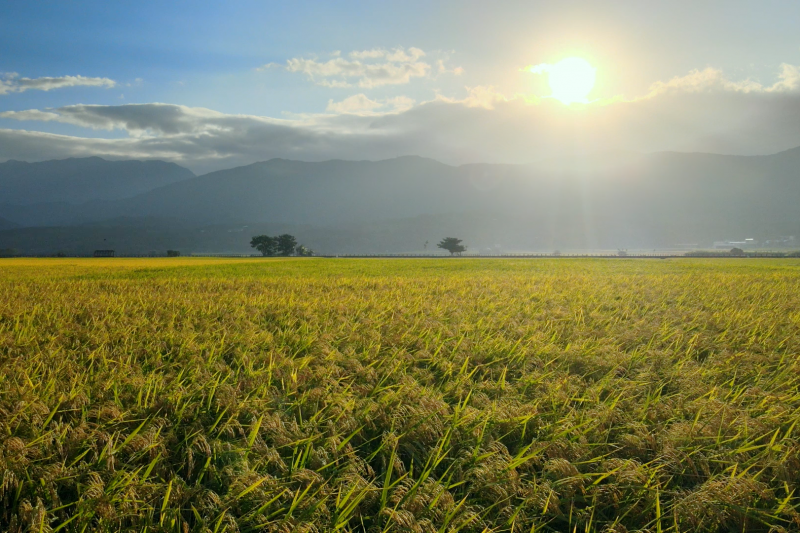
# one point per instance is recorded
(702, 111)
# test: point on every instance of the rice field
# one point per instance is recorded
(323, 395)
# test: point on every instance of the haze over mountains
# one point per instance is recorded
(619, 200)
(6, 224)
(78, 180)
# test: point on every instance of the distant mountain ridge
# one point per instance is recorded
(598, 201)
(80, 180)
(6, 224)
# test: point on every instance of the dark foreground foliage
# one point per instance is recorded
(322, 395)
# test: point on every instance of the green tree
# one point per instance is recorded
(452, 245)
(265, 244)
(302, 251)
(285, 244)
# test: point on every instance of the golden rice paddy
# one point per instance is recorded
(213, 395)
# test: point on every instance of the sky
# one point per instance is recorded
(213, 85)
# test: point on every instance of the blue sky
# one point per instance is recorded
(450, 62)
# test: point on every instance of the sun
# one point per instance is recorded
(571, 80)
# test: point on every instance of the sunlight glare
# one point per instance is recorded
(571, 80)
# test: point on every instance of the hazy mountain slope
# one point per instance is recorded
(308, 193)
(81, 180)
(606, 200)
(693, 192)
(6, 224)
(280, 191)
(704, 194)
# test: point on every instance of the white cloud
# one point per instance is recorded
(336, 84)
(480, 96)
(397, 55)
(367, 54)
(458, 71)
(541, 68)
(136, 119)
(789, 79)
(32, 114)
(360, 104)
(485, 97)
(365, 69)
(714, 80)
(356, 104)
(400, 55)
(268, 66)
(401, 103)
(12, 83)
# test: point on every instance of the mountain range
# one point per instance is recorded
(79, 180)
(610, 200)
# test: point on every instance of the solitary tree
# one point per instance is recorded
(265, 244)
(452, 245)
(737, 252)
(302, 251)
(285, 244)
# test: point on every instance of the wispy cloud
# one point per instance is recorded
(136, 119)
(714, 80)
(12, 83)
(480, 96)
(365, 68)
(443, 69)
(541, 68)
(360, 104)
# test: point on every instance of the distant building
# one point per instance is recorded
(786, 240)
(727, 245)
(104, 253)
